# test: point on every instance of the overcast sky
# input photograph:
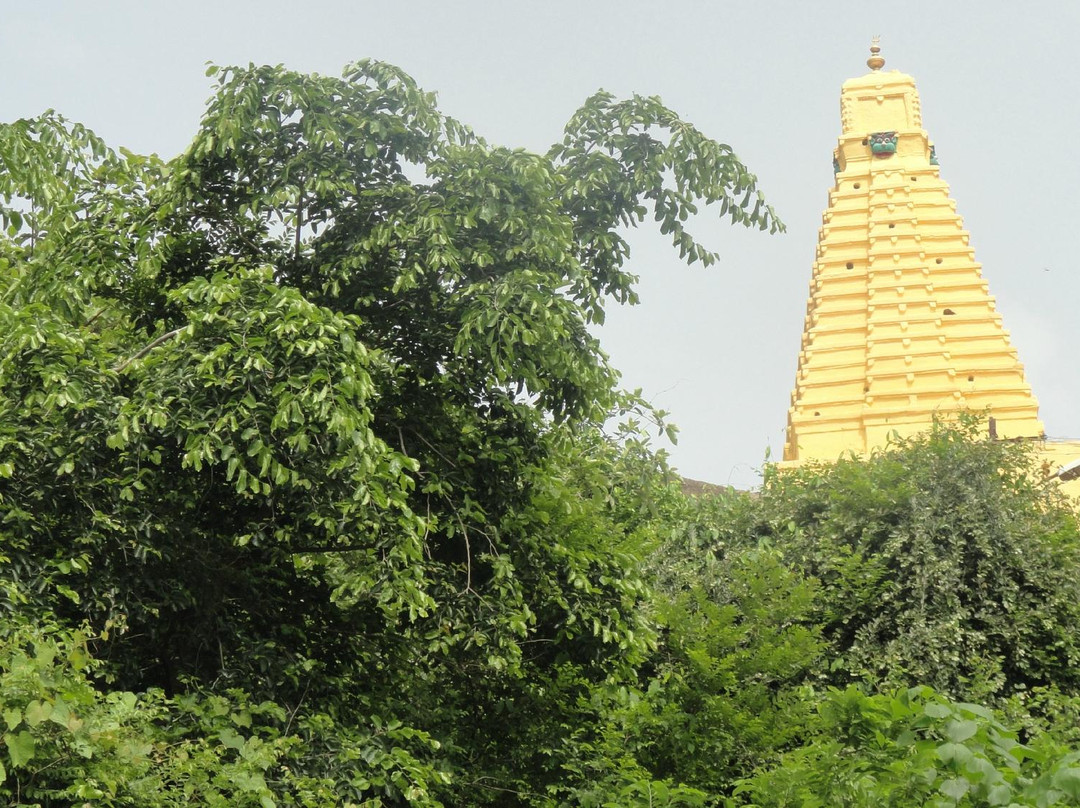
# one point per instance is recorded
(717, 348)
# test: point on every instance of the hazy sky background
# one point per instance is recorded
(717, 348)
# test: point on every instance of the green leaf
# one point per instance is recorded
(954, 753)
(21, 748)
(935, 710)
(960, 731)
(955, 788)
(1001, 794)
(1068, 780)
(37, 711)
(231, 739)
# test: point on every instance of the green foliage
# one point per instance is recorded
(915, 747)
(308, 496)
(301, 438)
(612, 167)
(725, 691)
(66, 741)
(944, 560)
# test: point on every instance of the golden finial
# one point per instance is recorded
(876, 60)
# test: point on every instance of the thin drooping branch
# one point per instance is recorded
(299, 219)
(468, 556)
(120, 367)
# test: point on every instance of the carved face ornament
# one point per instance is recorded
(882, 144)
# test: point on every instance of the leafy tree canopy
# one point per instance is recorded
(309, 417)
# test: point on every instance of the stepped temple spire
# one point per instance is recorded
(900, 325)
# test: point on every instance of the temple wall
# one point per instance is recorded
(1059, 454)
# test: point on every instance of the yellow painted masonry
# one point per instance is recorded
(1061, 459)
(900, 325)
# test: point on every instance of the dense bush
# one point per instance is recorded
(945, 560)
(915, 748)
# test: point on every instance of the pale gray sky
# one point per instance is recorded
(999, 85)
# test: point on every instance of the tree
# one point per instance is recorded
(945, 560)
(725, 692)
(299, 417)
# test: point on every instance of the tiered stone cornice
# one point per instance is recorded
(900, 325)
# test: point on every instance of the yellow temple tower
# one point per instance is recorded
(900, 325)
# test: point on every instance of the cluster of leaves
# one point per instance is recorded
(915, 747)
(68, 741)
(311, 418)
(307, 496)
(724, 691)
(947, 561)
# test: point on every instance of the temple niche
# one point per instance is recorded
(900, 324)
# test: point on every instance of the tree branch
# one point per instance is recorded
(299, 220)
(119, 368)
